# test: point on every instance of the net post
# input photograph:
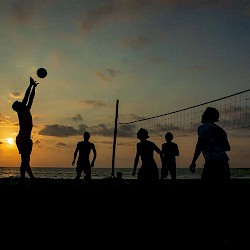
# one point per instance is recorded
(114, 141)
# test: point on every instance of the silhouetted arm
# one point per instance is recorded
(32, 94)
(94, 157)
(177, 152)
(27, 93)
(157, 150)
(227, 145)
(136, 161)
(75, 155)
(197, 153)
(162, 155)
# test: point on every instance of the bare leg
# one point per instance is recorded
(25, 166)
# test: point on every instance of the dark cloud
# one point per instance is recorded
(102, 129)
(167, 127)
(77, 118)
(126, 130)
(66, 131)
(58, 131)
(83, 128)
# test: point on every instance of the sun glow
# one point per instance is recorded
(10, 141)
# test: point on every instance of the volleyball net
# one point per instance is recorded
(234, 114)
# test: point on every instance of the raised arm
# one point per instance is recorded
(27, 93)
(32, 94)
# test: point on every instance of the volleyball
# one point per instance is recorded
(41, 72)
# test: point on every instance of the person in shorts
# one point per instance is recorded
(83, 150)
(169, 152)
(23, 140)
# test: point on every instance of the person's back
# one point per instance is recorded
(85, 148)
(169, 152)
(213, 143)
(146, 149)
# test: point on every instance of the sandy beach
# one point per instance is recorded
(194, 212)
(129, 190)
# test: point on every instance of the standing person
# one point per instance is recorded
(23, 140)
(83, 164)
(213, 143)
(145, 149)
(169, 152)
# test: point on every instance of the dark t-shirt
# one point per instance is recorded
(170, 150)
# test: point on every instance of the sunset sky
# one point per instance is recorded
(154, 56)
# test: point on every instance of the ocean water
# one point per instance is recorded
(100, 173)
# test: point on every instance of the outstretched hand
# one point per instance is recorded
(33, 82)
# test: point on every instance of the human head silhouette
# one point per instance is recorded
(16, 106)
(169, 136)
(86, 136)
(142, 134)
(210, 115)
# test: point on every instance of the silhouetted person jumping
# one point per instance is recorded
(83, 164)
(169, 152)
(23, 140)
(213, 143)
(145, 149)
